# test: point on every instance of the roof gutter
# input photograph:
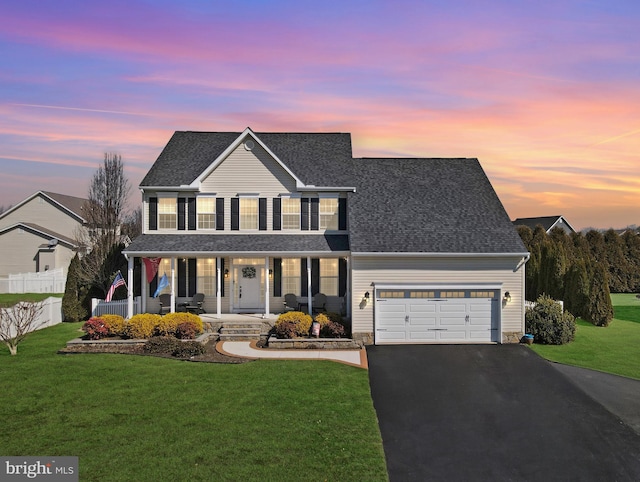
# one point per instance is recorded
(443, 255)
(257, 254)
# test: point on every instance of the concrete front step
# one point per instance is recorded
(239, 337)
(238, 331)
(242, 324)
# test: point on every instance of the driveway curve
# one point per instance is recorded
(492, 412)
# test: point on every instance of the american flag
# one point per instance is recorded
(118, 281)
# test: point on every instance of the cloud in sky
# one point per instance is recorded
(545, 95)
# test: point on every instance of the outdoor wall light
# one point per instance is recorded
(507, 297)
(270, 274)
(226, 273)
(366, 297)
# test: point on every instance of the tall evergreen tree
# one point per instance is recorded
(599, 308)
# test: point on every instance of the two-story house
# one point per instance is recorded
(39, 233)
(411, 250)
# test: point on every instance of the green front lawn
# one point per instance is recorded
(10, 299)
(612, 349)
(144, 418)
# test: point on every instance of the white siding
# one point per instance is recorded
(21, 250)
(248, 172)
(41, 212)
(415, 270)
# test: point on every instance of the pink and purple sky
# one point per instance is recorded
(545, 93)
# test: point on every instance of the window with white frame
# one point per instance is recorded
(206, 212)
(207, 276)
(167, 213)
(248, 213)
(290, 213)
(328, 213)
(291, 275)
(329, 273)
(165, 268)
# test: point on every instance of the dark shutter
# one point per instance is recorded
(304, 213)
(191, 209)
(192, 276)
(181, 204)
(153, 286)
(262, 214)
(315, 276)
(220, 214)
(182, 277)
(277, 214)
(277, 276)
(342, 214)
(153, 214)
(315, 208)
(303, 278)
(342, 277)
(235, 214)
(221, 277)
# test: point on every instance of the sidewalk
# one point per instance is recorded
(247, 349)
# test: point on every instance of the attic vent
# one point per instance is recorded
(249, 145)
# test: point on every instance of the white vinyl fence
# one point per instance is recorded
(531, 304)
(102, 307)
(50, 315)
(52, 281)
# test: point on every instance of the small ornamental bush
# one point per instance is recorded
(323, 319)
(170, 322)
(117, 324)
(95, 328)
(161, 345)
(333, 316)
(332, 330)
(301, 321)
(187, 349)
(187, 330)
(142, 325)
(548, 324)
(285, 329)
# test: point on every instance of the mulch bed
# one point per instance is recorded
(211, 355)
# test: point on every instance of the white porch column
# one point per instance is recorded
(309, 295)
(173, 285)
(130, 286)
(219, 282)
(347, 295)
(144, 282)
(267, 293)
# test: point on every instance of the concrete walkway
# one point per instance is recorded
(249, 349)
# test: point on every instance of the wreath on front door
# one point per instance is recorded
(249, 272)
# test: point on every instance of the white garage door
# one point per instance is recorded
(436, 316)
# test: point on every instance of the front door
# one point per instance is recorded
(249, 287)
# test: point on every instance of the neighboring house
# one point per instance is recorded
(38, 234)
(411, 250)
(547, 222)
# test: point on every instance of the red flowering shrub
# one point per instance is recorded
(95, 328)
(187, 330)
(285, 329)
(332, 330)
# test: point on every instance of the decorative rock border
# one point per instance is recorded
(313, 343)
(78, 345)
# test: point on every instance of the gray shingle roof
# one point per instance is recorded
(43, 232)
(428, 206)
(315, 158)
(72, 203)
(224, 243)
(545, 221)
(401, 205)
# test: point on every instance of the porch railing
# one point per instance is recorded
(102, 307)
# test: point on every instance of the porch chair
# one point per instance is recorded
(165, 303)
(291, 302)
(195, 305)
(319, 303)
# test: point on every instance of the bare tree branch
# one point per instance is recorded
(17, 321)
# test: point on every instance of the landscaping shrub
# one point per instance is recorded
(116, 323)
(335, 317)
(187, 330)
(548, 324)
(285, 329)
(187, 349)
(170, 322)
(322, 318)
(95, 328)
(161, 344)
(332, 330)
(301, 321)
(142, 325)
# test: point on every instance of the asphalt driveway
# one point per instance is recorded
(492, 412)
